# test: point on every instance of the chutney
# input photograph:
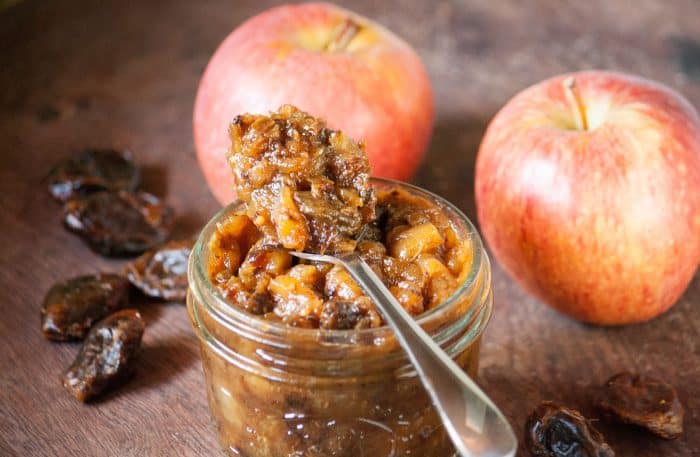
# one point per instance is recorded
(412, 248)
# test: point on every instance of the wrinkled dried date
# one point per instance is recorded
(93, 170)
(643, 401)
(119, 223)
(71, 307)
(162, 272)
(555, 431)
(107, 355)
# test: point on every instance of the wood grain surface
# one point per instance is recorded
(75, 74)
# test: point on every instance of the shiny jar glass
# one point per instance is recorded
(281, 391)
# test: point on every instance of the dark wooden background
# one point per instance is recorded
(75, 74)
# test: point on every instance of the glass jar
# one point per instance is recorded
(281, 391)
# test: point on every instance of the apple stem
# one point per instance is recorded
(574, 97)
(342, 35)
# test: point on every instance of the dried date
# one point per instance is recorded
(643, 401)
(71, 307)
(119, 223)
(107, 356)
(93, 170)
(162, 272)
(555, 431)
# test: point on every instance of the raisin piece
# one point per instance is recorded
(162, 272)
(93, 170)
(643, 401)
(119, 223)
(107, 356)
(259, 303)
(552, 430)
(306, 186)
(345, 315)
(71, 307)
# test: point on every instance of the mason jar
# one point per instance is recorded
(281, 391)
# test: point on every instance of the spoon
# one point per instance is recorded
(475, 425)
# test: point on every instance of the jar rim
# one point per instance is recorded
(200, 284)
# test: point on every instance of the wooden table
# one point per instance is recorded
(79, 73)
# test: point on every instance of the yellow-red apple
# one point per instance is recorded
(588, 194)
(328, 61)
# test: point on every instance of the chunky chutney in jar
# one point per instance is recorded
(298, 361)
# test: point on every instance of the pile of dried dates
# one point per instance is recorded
(553, 430)
(99, 189)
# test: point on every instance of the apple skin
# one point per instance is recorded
(603, 224)
(374, 88)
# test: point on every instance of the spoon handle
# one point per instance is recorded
(475, 425)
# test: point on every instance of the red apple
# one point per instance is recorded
(588, 194)
(327, 61)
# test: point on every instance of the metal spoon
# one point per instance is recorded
(475, 425)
